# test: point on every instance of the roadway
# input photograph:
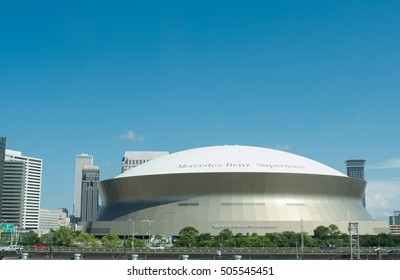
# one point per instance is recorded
(199, 253)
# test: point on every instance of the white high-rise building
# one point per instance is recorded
(132, 159)
(21, 190)
(2, 156)
(82, 160)
(52, 219)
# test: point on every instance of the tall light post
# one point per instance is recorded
(133, 235)
(302, 236)
(149, 221)
(149, 233)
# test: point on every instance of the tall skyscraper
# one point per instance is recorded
(82, 160)
(2, 155)
(90, 192)
(21, 190)
(12, 193)
(135, 158)
(355, 169)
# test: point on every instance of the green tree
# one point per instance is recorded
(226, 239)
(226, 234)
(204, 236)
(62, 237)
(308, 240)
(111, 240)
(45, 239)
(88, 240)
(396, 239)
(334, 230)
(207, 243)
(244, 241)
(276, 239)
(290, 239)
(205, 240)
(29, 238)
(344, 240)
(260, 241)
(189, 230)
(386, 240)
(321, 233)
(187, 240)
(330, 235)
(138, 243)
(368, 240)
(188, 237)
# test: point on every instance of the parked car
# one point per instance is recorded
(394, 251)
(157, 247)
(39, 247)
(11, 248)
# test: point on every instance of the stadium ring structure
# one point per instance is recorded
(242, 188)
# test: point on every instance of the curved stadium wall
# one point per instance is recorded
(245, 189)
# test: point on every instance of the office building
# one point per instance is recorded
(48, 220)
(12, 192)
(63, 218)
(132, 159)
(20, 194)
(355, 169)
(2, 155)
(394, 222)
(90, 192)
(242, 188)
(52, 219)
(81, 161)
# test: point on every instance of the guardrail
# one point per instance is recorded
(199, 253)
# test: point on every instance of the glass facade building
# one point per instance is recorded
(132, 159)
(81, 161)
(394, 222)
(90, 192)
(2, 155)
(355, 169)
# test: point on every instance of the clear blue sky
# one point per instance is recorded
(316, 78)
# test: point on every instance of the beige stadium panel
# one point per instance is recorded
(245, 189)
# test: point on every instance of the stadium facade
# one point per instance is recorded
(245, 189)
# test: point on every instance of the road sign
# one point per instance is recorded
(7, 228)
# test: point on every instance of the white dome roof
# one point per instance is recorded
(231, 159)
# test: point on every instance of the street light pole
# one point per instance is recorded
(149, 221)
(133, 235)
(149, 233)
(302, 236)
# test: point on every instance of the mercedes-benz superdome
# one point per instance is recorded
(242, 188)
